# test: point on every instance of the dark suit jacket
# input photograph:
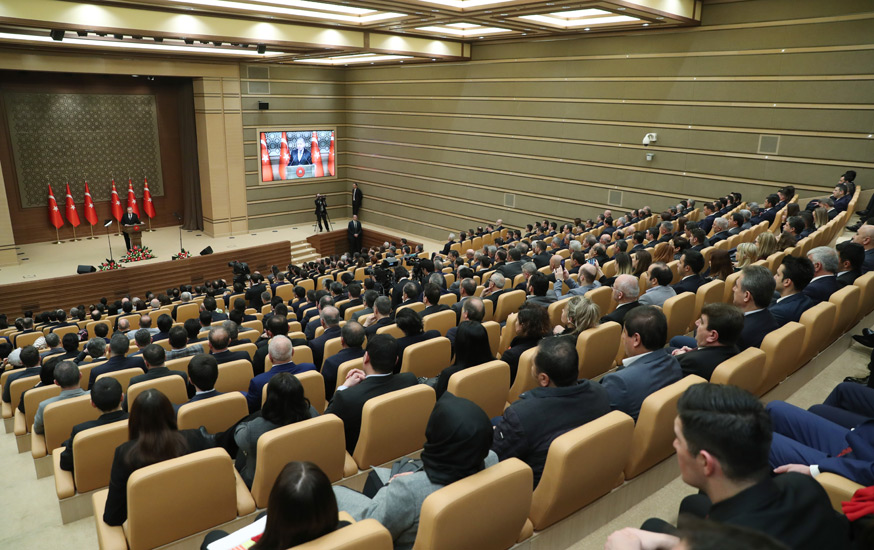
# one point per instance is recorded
(703, 361)
(305, 157)
(354, 302)
(254, 296)
(133, 219)
(689, 284)
(102, 420)
(757, 325)
(511, 269)
(318, 344)
(332, 365)
(790, 308)
(352, 228)
(630, 385)
(848, 278)
(721, 236)
(114, 364)
(357, 198)
(436, 308)
(868, 264)
(384, 322)
(256, 385)
(348, 404)
(821, 290)
(619, 313)
(541, 260)
(158, 372)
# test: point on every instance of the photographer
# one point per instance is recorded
(322, 211)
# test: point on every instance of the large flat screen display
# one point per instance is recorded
(296, 153)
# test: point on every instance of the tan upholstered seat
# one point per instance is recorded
(524, 380)
(415, 306)
(441, 322)
(32, 398)
(744, 370)
(392, 329)
(123, 376)
(60, 417)
(180, 364)
(332, 346)
(818, 322)
(347, 315)
(171, 386)
(318, 440)
(508, 332)
(508, 302)
(16, 388)
(654, 432)
(707, 294)
(427, 358)
(866, 300)
(601, 297)
(680, 312)
(393, 425)
(254, 325)
(728, 289)
(488, 310)
(234, 376)
(774, 261)
(216, 414)
(164, 494)
(494, 331)
(597, 349)
(486, 385)
(248, 348)
(675, 269)
(313, 389)
(302, 354)
(448, 299)
(92, 324)
(345, 367)
(839, 489)
(486, 511)
(555, 310)
(847, 300)
(368, 534)
(782, 347)
(603, 445)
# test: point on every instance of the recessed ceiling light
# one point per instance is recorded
(646, 24)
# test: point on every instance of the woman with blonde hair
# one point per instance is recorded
(579, 315)
(663, 254)
(747, 254)
(820, 217)
(766, 244)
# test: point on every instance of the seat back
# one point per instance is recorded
(180, 364)
(318, 440)
(744, 370)
(248, 348)
(32, 398)
(313, 389)
(393, 425)
(555, 310)
(774, 261)
(441, 322)
(448, 299)
(508, 302)
(728, 289)
(427, 358)
(392, 329)
(848, 301)
(488, 310)
(601, 297)
(415, 306)
(123, 376)
(486, 385)
(782, 347)
(302, 354)
(603, 445)
(234, 376)
(597, 348)
(818, 322)
(494, 331)
(524, 380)
(344, 368)
(485, 511)
(508, 332)
(866, 301)
(61, 416)
(654, 432)
(332, 346)
(367, 534)
(707, 294)
(680, 312)
(93, 451)
(17, 387)
(171, 386)
(166, 493)
(24, 340)
(216, 414)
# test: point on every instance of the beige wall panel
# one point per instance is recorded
(284, 103)
(231, 103)
(299, 72)
(305, 191)
(834, 150)
(775, 9)
(208, 86)
(212, 103)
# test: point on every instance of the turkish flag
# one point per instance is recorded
(54, 214)
(131, 198)
(266, 167)
(331, 156)
(284, 157)
(317, 157)
(117, 210)
(70, 208)
(148, 207)
(90, 213)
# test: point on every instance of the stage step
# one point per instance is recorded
(301, 252)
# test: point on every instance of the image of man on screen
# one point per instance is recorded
(129, 219)
(322, 211)
(300, 155)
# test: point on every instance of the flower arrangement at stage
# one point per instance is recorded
(109, 265)
(183, 255)
(138, 253)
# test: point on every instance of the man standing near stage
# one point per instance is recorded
(353, 234)
(322, 211)
(129, 219)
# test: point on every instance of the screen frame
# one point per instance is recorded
(308, 128)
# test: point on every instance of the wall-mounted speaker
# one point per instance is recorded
(263, 105)
(206, 251)
(85, 269)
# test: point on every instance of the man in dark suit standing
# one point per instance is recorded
(106, 395)
(300, 155)
(716, 335)
(129, 218)
(322, 211)
(357, 199)
(690, 266)
(793, 275)
(753, 291)
(825, 265)
(626, 289)
(353, 234)
(361, 385)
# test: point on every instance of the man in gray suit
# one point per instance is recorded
(647, 367)
(588, 281)
(660, 277)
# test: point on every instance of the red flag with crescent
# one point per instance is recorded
(132, 198)
(54, 214)
(148, 206)
(90, 212)
(284, 156)
(70, 209)
(331, 169)
(317, 157)
(266, 167)
(117, 210)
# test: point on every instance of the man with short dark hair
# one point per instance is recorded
(165, 323)
(647, 366)
(753, 290)
(660, 277)
(381, 316)
(370, 297)
(690, 266)
(431, 299)
(793, 275)
(557, 405)
(538, 290)
(374, 380)
(118, 348)
(202, 373)
(106, 396)
(178, 340)
(355, 300)
(851, 256)
(351, 342)
(716, 335)
(67, 376)
(210, 306)
(155, 357)
(467, 289)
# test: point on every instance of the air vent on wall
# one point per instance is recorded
(260, 88)
(259, 72)
(769, 145)
(614, 197)
(509, 200)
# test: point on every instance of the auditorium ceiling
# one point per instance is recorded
(340, 32)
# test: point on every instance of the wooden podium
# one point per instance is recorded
(135, 234)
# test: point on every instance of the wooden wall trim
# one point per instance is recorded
(335, 242)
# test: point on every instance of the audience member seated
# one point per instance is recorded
(106, 395)
(579, 315)
(793, 275)
(202, 373)
(559, 404)
(494, 288)
(458, 438)
(532, 324)
(467, 288)
(314, 321)
(375, 379)
(588, 275)
(472, 349)
(849, 405)
(851, 255)
(95, 349)
(753, 291)
(413, 328)
(355, 299)
(370, 297)
(192, 329)
(234, 334)
(865, 237)
(219, 340)
(276, 326)
(659, 276)
(155, 357)
(46, 378)
(722, 438)
(142, 338)
(53, 342)
(329, 319)
(626, 289)
(690, 266)
(118, 348)
(716, 336)
(154, 438)
(381, 316)
(285, 404)
(67, 376)
(209, 305)
(824, 282)
(281, 353)
(351, 342)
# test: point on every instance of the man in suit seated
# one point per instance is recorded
(851, 256)
(355, 299)
(106, 396)
(281, 353)
(735, 223)
(647, 367)
(118, 348)
(541, 256)
(494, 289)
(374, 380)
(219, 340)
(626, 289)
(588, 275)
(690, 266)
(753, 291)
(202, 373)
(824, 283)
(538, 290)
(315, 320)
(472, 310)
(209, 305)
(514, 265)
(179, 344)
(721, 226)
(793, 275)
(865, 237)
(95, 349)
(449, 242)
(370, 297)
(723, 435)
(155, 359)
(141, 338)
(67, 376)
(466, 290)
(709, 216)
(660, 277)
(431, 299)
(716, 336)
(330, 321)
(557, 405)
(351, 342)
(381, 316)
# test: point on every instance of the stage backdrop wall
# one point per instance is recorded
(57, 129)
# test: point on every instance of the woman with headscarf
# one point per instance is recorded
(458, 439)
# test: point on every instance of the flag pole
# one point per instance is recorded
(91, 227)
(74, 235)
(148, 219)
(118, 223)
(58, 241)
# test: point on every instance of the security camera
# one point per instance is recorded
(649, 138)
